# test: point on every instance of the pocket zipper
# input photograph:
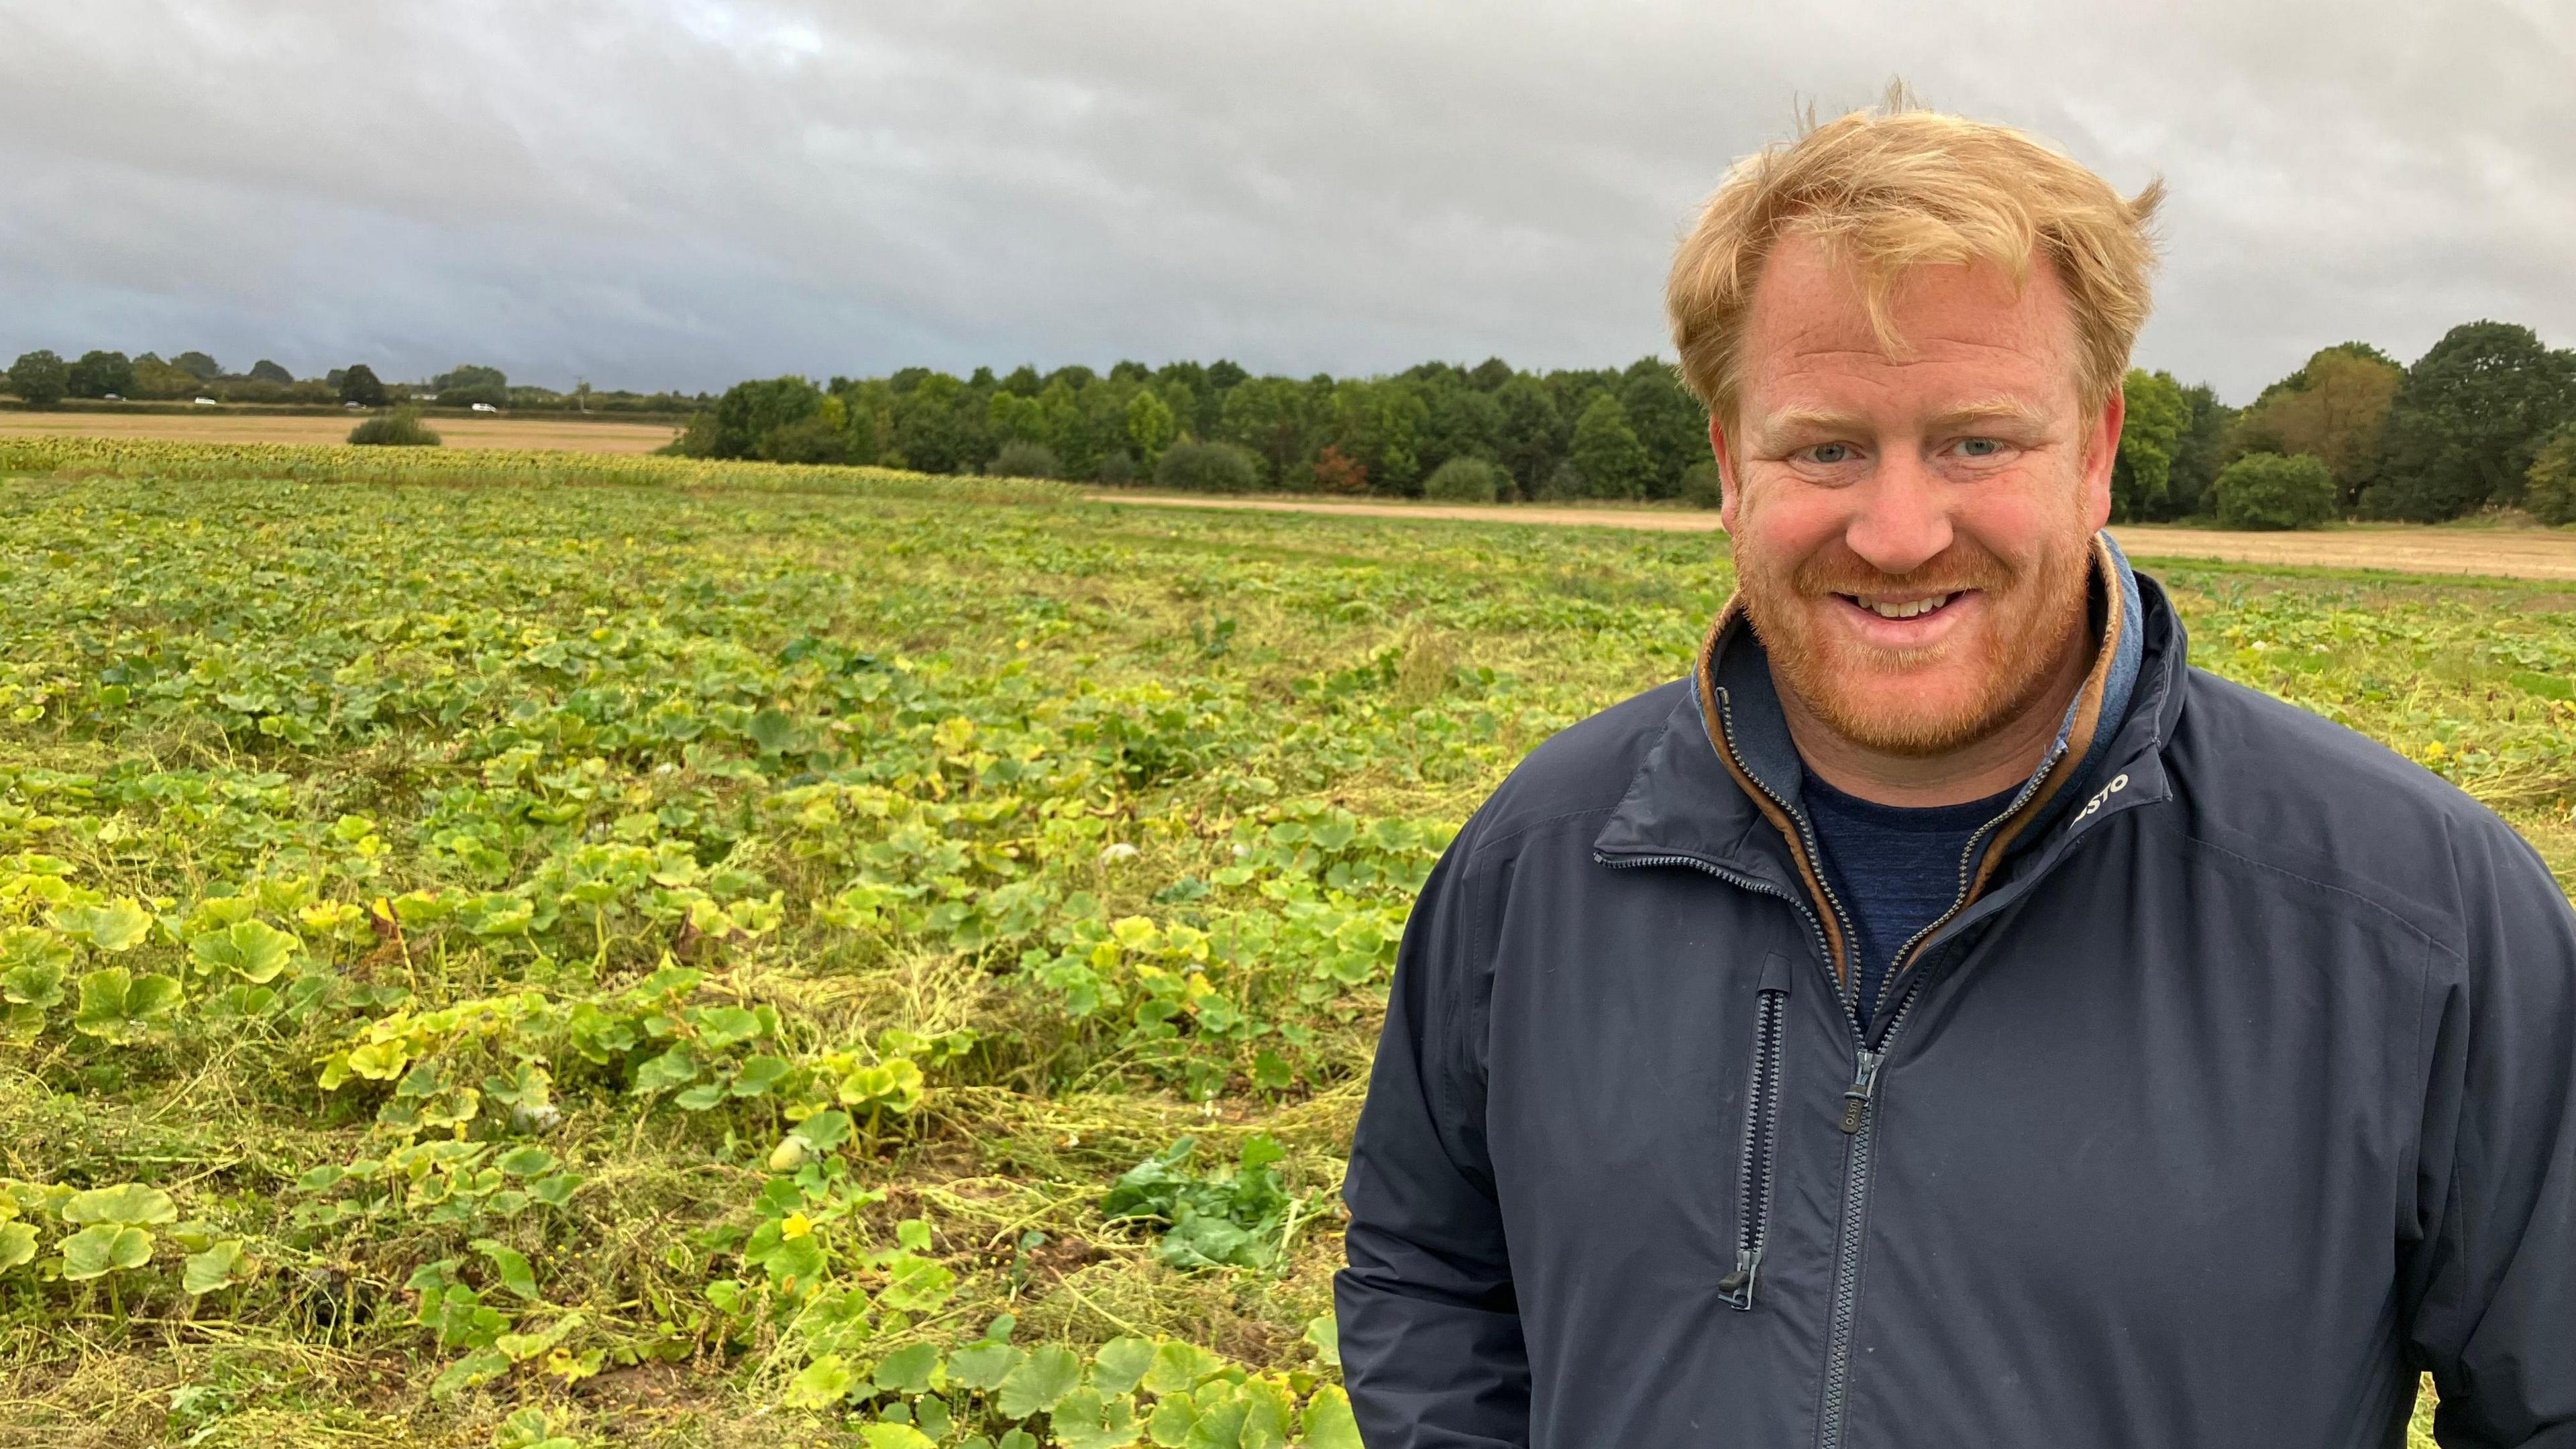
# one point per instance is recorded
(1761, 1133)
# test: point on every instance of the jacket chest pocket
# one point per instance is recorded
(1759, 1159)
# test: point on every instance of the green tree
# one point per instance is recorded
(1667, 419)
(2549, 489)
(2467, 421)
(2157, 415)
(358, 385)
(1605, 451)
(2335, 407)
(2196, 458)
(1267, 416)
(1533, 435)
(198, 365)
(751, 413)
(1150, 426)
(1460, 422)
(2275, 490)
(39, 377)
(101, 374)
(267, 371)
(467, 384)
(154, 378)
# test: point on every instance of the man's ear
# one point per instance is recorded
(1731, 490)
(2102, 455)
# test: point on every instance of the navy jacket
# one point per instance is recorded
(2236, 1090)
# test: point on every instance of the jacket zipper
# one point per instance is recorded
(1860, 1123)
(1967, 874)
(1761, 1138)
(1815, 854)
(1762, 1113)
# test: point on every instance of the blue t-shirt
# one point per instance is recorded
(1895, 868)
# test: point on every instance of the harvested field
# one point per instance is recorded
(574, 435)
(2517, 553)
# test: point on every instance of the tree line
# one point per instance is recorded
(2486, 418)
(1487, 431)
(43, 378)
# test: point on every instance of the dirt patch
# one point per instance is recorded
(2528, 553)
(576, 435)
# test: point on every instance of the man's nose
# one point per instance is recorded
(1903, 519)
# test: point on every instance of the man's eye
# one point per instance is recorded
(1829, 453)
(1980, 447)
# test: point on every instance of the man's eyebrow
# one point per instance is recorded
(1817, 420)
(1792, 420)
(1998, 409)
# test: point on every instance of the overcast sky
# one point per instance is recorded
(684, 193)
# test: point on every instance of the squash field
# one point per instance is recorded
(535, 951)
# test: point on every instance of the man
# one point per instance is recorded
(1947, 1018)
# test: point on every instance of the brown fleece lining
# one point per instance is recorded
(2079, 742)
(1761, 798)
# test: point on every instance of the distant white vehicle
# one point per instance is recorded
(111, 397)
(355, 407)
(207, 402)
(485, 408)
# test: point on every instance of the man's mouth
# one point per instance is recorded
(1890, 607)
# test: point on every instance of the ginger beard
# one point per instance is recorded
(2026, 615)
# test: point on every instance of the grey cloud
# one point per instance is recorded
(686, 193)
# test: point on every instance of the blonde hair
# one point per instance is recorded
(1899, 187)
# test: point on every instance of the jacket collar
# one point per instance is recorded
(1721, 787)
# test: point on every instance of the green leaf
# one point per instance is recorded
(216, 1267)
(983, 1366)
(1085, 1420)
(1328, 1422)
(917, 1285)
(1018, 1439)
(1173, 1419)
(722, 1026)
(1041, 1382)
(527, 1160)
(914, 1369)
(555, 1191)
(104, 1248)
(253, 950)
(772, 731)
(1179, 1367)
(512, 1266)
(674, 1068)
(701, 1097)
(1325, 1334)
(758, 1075)
(118, 1006)
(824, 1382)
(1120, 1365)
(120, 925)
(17, 1245)
(127, 1202)
(825, 1130)
(895, 1436)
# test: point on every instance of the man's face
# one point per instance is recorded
(1911, 537)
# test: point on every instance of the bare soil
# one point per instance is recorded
(573, 434)
(2517, 553)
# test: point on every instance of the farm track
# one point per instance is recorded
(2501, 553)
(564, 434)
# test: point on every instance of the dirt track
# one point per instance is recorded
(213, 426)
(2534, 553)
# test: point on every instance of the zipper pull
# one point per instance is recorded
(1738, 1285)
(1856, 1097)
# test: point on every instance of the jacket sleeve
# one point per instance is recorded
(2488, 1262)
(1430, 1331)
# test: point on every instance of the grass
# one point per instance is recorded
(957, 849)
